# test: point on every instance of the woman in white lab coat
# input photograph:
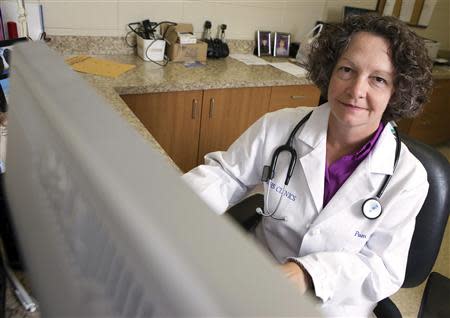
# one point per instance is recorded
(373, 70)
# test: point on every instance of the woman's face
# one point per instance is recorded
(362, 83)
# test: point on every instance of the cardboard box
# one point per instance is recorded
(187, 52)
(182, 52)
(170, 32)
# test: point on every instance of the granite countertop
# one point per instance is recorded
(149, 77)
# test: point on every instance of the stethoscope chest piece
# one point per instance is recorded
(371, 208)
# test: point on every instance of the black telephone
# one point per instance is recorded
(149, 28)
(217, 48)
(146, 29)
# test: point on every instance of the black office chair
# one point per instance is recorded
(426, 241)
(428, 234)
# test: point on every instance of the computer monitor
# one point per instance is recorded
(106, 226)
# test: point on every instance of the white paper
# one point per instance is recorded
(249, 59)
(291, 68)
(427, 11)
(10, 13)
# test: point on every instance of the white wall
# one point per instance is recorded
(110, 17)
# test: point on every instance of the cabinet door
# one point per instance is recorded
(432, 126)
(294, 96)
(173, 119)
(227, 113)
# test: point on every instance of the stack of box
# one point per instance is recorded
(182, 46)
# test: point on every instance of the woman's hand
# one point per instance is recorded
(297, 275)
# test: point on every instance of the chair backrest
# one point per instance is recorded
(432, 218)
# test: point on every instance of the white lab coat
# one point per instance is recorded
(354, 262)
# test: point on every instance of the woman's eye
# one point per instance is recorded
(345, 72)
(345, 69)
(380, 80)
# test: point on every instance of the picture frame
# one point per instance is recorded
(263, 43)
(282, 42)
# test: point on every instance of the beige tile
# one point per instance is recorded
(301, 18)
(408, 300)
(73, 1)
(86, 16)
(157, 11)
(197, 12)
(443, 261)
(245, 17)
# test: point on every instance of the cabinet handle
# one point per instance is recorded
(212, 103)
(194, 108)
(297, 96)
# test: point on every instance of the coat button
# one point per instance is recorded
(316, 232)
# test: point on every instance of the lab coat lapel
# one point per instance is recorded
(366, 180)
(355, 190)
(312, 158)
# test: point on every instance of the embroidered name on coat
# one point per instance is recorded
(279, 189)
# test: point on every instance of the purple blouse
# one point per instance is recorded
(341, 169)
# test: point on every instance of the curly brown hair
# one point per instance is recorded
(413, 80)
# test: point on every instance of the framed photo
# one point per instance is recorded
(264, 43)
(282, 41)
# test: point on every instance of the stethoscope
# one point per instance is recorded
(371, 207)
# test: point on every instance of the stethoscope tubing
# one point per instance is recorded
(371, 208)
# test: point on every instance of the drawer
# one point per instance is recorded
(294, 96)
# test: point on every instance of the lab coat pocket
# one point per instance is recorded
(356, 242)
(349, 237)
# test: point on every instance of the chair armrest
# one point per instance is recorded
(435, 300)
(244, 213)
(387, 309)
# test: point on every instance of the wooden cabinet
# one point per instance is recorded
(293, 96)
(174, 121)
(190, 124)
(227, 113)
(432, 126)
